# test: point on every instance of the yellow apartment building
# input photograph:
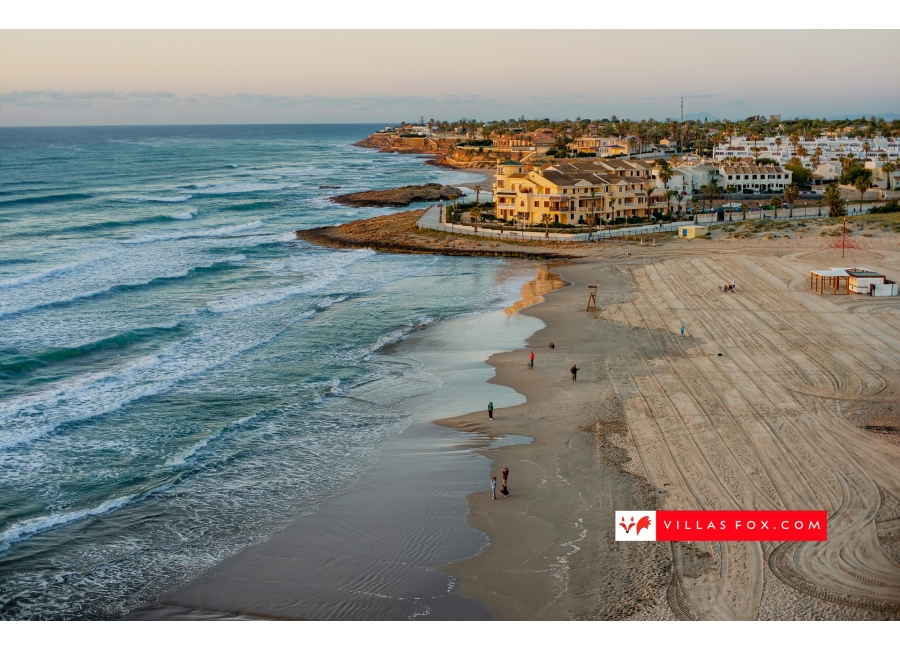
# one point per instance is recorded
(574, 192)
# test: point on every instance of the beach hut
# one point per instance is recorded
(870, 282)
(856, 280)
(691, 232)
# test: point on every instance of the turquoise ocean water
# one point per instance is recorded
(179, 376)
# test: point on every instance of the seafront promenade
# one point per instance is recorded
(431, 221)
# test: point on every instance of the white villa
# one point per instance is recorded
(832, 148)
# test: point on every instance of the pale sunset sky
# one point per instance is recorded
(188, 77)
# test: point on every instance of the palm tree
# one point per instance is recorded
(795, 138)
(710, 192)
(791, 193)
(612, 204)
(454, 197)
(648, 191)
(801, 151)
(730, 189)
(671, 194)
(834, 201)
(777, 146)
(889, 168)
(866, 148)
(861, 184)
(673, 159)
(774, 203)
(477, 189)
(665, 173)
(819, 206)
(593, 209)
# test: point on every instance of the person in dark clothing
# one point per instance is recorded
(574, 371)
(551, 345)
(491, 410)
(505, 475)
(531, 362)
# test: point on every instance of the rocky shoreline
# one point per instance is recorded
(398, 197)
(397, 233)
(443, 152)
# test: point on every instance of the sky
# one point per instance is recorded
(82, 77)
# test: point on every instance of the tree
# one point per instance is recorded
(777, 146)
(546, 219)
(802, 152)
(673, 160)
(710, 192)
(775, 202)
(889, 168)
(800, 174)
(664, 172)
(819, 206)
(730, 189)
(454, 197)
(867, 147)
(834, 201)
(477, 189)
(593, 209)
(671, 194)
(791, 194)
(861, 184)
(680, 198)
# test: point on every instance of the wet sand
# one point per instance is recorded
(373, 551)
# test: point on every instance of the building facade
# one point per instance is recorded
(578, 192)
(753, 178)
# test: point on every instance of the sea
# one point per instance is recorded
(180, 376)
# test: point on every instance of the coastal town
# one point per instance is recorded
(618, 172)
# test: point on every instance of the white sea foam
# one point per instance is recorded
(22, 530)
(237, 188)
(190, 214)
(196, 233)
(160, 199)
(27, 417)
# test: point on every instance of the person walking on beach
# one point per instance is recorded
(494, 488)
(574, 371)
(531, 362)
(682, 331)
(491, 410)
(505, 475)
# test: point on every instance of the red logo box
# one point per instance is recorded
(741, 526)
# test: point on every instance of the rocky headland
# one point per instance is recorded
(397, 233)
(398, 197)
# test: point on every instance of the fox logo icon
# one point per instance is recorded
(642, 524)
(631, 524)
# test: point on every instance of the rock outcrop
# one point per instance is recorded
(399, 197)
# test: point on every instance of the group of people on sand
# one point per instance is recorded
(503, 489)
(574, 370)
(505, 474)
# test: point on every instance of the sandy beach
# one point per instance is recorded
(776, 398)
